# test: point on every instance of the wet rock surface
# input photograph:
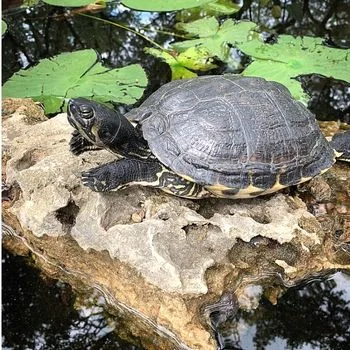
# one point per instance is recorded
(159, 259)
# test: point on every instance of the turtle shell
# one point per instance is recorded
(233, 134)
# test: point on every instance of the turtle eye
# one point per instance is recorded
(86, 111)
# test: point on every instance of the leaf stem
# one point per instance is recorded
(169, 33)
(125, 28)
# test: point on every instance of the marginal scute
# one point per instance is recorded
(263, 181)
(229, 192)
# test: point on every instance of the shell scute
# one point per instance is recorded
(240, 133)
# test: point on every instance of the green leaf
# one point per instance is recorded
(178, 71)
(215, 39)
(214, 8)
(69, 3)
(182, 65)
(163, 5)
(3, 27)
(30, 3)
(221, 7)
(76, 74)
(203, 28)
(196, 58)
(281, 62)
(291, 57)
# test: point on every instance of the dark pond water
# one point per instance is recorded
(39, 313)
(42, 313)
(313, 316)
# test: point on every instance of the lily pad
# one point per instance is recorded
(163, 5)
(183, 64)
(291, 57)
(30, 3)
(3, 27)
(221, 7)
(281, 62)
(178, 71)
(216, 39)
(214, 8)
(76, 74)
(69, 3)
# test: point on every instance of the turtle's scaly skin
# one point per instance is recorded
(236, 136)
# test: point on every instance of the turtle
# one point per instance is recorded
(225, 136)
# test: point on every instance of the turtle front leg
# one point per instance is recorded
(126, 172)
(79, 144)
(122, 173)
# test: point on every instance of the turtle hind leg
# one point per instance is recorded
(341, 144)
(79, 144)
(132, 171)
(174, 184)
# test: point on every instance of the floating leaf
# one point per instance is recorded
(30, 3)
(215, 39)
(76, 74)
(181, 65)
(3, 27)
(214, 8)
(291, 57)
(69, 3)
(163, 5)
(178, 71)
(281, 62)
(221, 7)
(202, 28)
(196, 58)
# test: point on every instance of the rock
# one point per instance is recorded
(320, 189)
(167, 257)
(31, 112)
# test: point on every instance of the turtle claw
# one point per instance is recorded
(91, 179)
(99, 179)
(78, 144)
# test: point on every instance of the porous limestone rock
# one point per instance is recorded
(181, 249)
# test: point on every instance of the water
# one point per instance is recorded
(313, 316)
(41, 313)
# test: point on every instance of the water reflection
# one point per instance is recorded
(329, 19)
(46, 31)
(40, 314)
(45, 314)
(329, 98)
(316, 315)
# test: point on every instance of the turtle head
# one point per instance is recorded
(105, 127)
